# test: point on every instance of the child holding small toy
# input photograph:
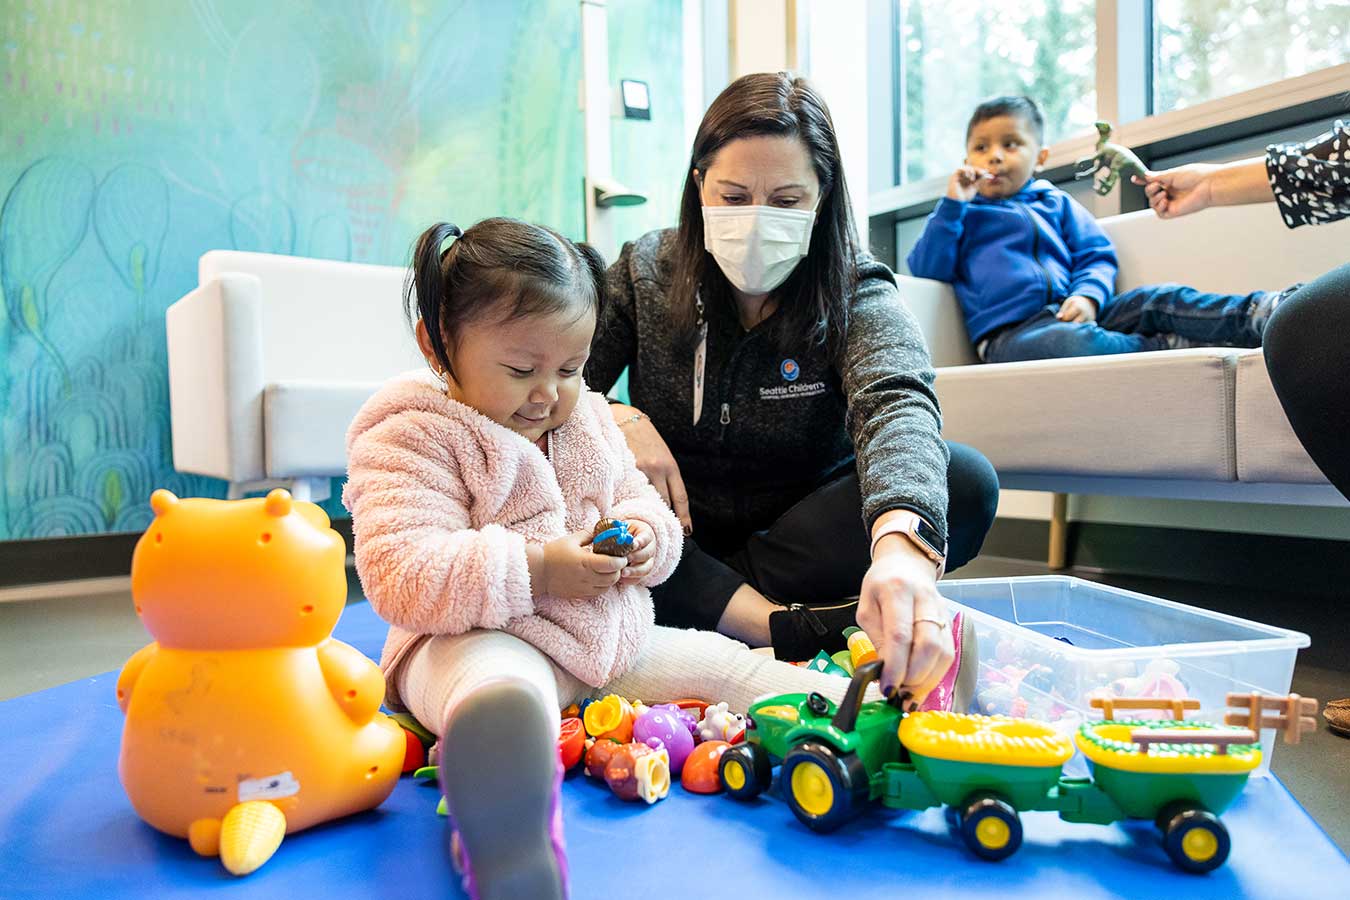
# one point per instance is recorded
(474, 489)
(1035, 274)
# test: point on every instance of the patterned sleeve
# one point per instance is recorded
(1311, 181)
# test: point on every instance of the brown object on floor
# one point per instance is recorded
(1293, 714)
(1337, 714)
(1177, 707)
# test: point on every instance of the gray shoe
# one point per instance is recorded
(501, 775)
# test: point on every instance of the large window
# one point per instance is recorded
(955, 53)
(1206, 49)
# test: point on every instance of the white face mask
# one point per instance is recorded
(757, 247)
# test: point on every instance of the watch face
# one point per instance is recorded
(929, 535)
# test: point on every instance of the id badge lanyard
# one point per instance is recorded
(700, 357)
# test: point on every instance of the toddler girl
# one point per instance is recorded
(473, 490)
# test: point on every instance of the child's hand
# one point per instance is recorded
(1077, 309)
(965, 181)
(643, 555)
(568, 567)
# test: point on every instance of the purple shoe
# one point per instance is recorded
(502, 779)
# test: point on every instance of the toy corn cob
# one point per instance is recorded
(249, 834)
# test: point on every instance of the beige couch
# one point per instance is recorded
(1192, 424)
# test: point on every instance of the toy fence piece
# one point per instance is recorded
(1176, 706)
(1294, 715)
(1222, 740)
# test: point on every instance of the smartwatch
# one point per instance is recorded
(919, 533)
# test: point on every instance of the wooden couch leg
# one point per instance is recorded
(1059, 533)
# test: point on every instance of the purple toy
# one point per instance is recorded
(670, 728)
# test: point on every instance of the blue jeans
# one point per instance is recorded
(1142, 319)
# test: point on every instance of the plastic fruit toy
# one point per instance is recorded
(668, 725)
(610, 717)
(571, 743)
(415, 755)
(597, 757)
(638, 772)
(700, 769)
(245, 720)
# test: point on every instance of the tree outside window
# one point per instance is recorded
(1206, 49)
(955, 53)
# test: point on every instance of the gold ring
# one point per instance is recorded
(941, 624)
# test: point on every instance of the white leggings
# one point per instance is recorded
(435, 678)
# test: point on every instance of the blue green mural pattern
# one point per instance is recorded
(137, 134)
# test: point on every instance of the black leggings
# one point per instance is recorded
(1307, 346)
(817, 552)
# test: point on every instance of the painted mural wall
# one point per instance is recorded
(137, 135)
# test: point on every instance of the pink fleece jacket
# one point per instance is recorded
(444, 501)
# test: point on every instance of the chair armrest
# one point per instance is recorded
(934, 305)
(216, 379)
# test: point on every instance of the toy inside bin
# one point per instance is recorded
(1048, 644)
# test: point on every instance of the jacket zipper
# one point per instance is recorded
(808, 613)
(1036, 253)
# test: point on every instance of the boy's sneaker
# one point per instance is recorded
(1263, 309)
(501, 775)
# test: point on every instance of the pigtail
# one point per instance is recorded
(425, 288)
(595, 267)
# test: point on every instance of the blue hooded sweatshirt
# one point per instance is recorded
(1008, 259)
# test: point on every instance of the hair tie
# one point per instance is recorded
(452, 233)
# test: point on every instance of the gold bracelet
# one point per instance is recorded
(635, 417)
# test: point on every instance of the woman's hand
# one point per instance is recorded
(1179, 191)
(899, 608)
(643, 555)
(568, 567)
(654, 460)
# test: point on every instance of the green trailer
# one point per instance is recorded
(837, 759)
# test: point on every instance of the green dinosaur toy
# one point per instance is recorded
(1113, 158)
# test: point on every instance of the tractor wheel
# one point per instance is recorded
(745, 771)
(823, 788)
(1196, 840)
(990, 827)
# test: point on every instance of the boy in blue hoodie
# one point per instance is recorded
(1034, 273)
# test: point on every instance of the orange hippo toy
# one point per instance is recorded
(246, 720)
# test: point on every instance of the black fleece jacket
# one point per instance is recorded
(776, 426)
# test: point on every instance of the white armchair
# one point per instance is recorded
(269, 360)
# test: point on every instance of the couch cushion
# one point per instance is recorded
(320, 317)
(1267, 449)
(1146, 415)
(305, 425)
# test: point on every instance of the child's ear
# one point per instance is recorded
(424, 344)
(1042, 156)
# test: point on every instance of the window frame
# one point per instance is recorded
(1124, 97)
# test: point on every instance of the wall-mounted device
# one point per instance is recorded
(635, 98)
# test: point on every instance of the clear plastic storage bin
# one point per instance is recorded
(1048, 644)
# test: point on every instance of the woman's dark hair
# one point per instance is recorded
(813, 302)
(503, 265)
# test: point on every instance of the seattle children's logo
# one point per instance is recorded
(791, 371)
